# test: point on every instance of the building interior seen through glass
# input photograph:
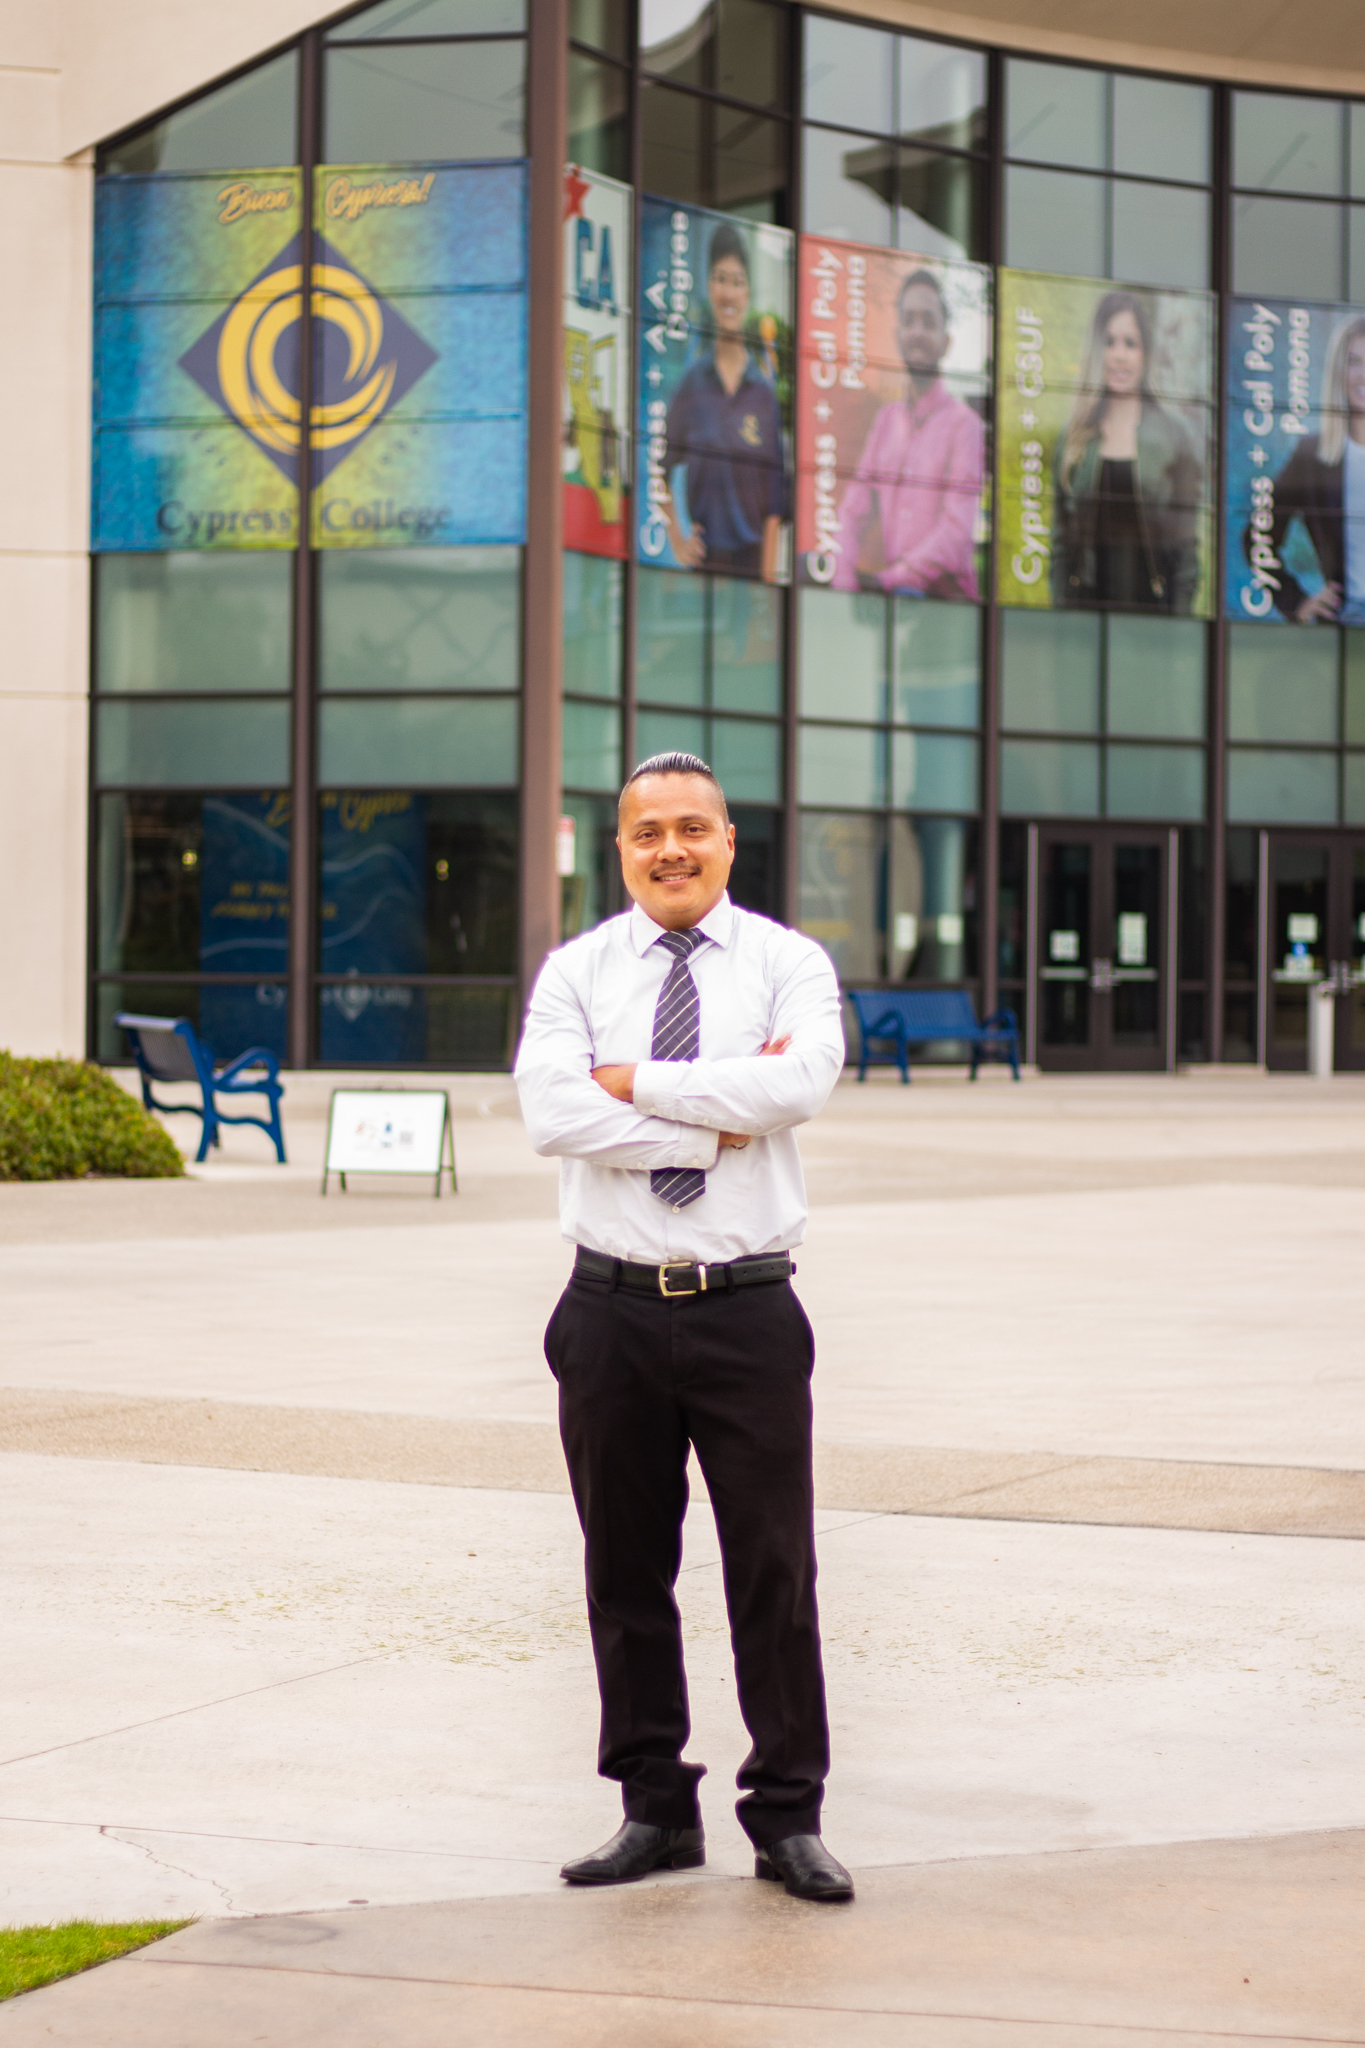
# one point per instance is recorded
(963, 452)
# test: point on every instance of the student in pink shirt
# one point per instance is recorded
(920, 471)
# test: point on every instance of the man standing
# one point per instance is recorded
(667, 1059)
(921, 469)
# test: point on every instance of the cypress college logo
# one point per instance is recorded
(367, 357)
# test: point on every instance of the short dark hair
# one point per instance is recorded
(925, 277)
(675, 764)
(727, 241)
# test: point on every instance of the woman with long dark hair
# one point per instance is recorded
(1128, 478)
(1323, 484)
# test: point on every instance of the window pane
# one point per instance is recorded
(670, 637)
(1355, 251)
(605, 24)
(192, 884)
(439, 103)
(1282, 692)
(1154, 782)
(1049, 779)
(941, 205)
(848, 75)
(668, 732)
(1161, 129)
(751, 52)
(934, 771)
(848, 186)
(593, 891)
(750, 165)
(843, 764)
(932, 927)
(676, 39)
(417, 884)
(599, 116)
(419, 740)
(248, 124)
(938, 663)
(746, 754)
(1050, 671)
(706, 154)
(1155, 678)
(843, 863)
(1160, 235)
(1055, 114)
(673, 145)
(746, 646)
(843, 654)
(367, 1024)
(1354, 721)
(420, 619)
(1353, 791)
(592, 746)
(1054, 221)
(941, 94)
(1267, 788)
(230, 1020)
(1281, 143)
(193, 622)
(432, 18)
(210, 745)
(1357, 182)
(758, 860)
(1286, 248)
(593, 589)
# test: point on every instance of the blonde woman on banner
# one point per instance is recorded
(1129, 479)
(1323, 484)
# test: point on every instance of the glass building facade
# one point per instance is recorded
(964, 452)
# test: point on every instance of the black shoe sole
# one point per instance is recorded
(680, 1859)
(769, 1871)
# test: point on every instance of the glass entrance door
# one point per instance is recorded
(1101, 964)
(1316, 918)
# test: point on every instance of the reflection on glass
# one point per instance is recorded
(416, 18)
(1240, 943)
(1155, 677)
(417, 884)
(247, 124)
(670, 637)
(599, 116)
(931, 930)
(192, 884)
(751, 52)
(848, 186)
(941, 94)
(604, 24)
(593, 891)
(1159, 235)
(431, 103)
(842, 891)
(843, 654)
(670, 732)
(1154, 782)
(1134, 943)
(1283, 143)
(938, 663)
(1286, 248)
(1281, 787)
(1055, 114)
(848, 74)
(1194, 903)
(941, 205)
(592, 746)
(1298, 940)
(1353, 718)
(230, 1020)
(1050, 671)
(1353, 803)
(1355, 252)
(379, 1024)
(1271, 699)
(1054, 221)
(1068, 882)
(746, 754)
(140, 743)
(934, 771)
(1161, 130)
(420, 619)
(746, 645)
(1049, 779)
(468, 743)
(193, 622)
(1356, 185)
(755, 876)
(593, 591)
(706, 154)
(843, 764)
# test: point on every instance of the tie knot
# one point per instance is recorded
(680, 944)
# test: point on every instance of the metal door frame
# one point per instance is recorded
(1104, 835)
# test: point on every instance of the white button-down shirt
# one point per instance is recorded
(594, 1006)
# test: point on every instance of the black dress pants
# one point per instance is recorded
(639, 1379)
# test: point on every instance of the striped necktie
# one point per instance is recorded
(677, 1036)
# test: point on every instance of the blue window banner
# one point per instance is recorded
(596, 399)
(244, 918)
(715, 392)
(418, 427)
(373, 921)
(1294, 508)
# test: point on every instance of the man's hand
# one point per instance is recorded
(619, 1083)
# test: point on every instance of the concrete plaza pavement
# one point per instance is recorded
(294, 1611)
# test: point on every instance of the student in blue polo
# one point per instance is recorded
(725, 431)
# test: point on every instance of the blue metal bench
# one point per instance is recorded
(170, 1049)
(900, 1018)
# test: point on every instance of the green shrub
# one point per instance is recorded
(63, 1119)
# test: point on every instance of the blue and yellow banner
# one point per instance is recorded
(418, 298)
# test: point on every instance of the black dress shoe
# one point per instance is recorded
(804, 1865)
(635, 1850)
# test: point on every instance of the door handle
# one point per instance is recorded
(1102, 977)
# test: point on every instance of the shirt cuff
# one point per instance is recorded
(697, 1147)
(655, 1090)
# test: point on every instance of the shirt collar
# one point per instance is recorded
(717, 926)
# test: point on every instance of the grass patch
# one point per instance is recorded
(64, 1119)
(30, 1956)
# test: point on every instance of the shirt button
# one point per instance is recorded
(677, 1208)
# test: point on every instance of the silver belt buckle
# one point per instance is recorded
(680, 1293)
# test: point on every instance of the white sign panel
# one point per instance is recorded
(387, 1130)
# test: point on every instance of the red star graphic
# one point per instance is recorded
(576, 190)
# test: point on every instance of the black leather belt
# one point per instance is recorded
(676, 1279)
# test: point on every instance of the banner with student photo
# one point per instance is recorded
(1294, 524)
(596, 397)
(893, 382)
(715, 392)
(1104, 430)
